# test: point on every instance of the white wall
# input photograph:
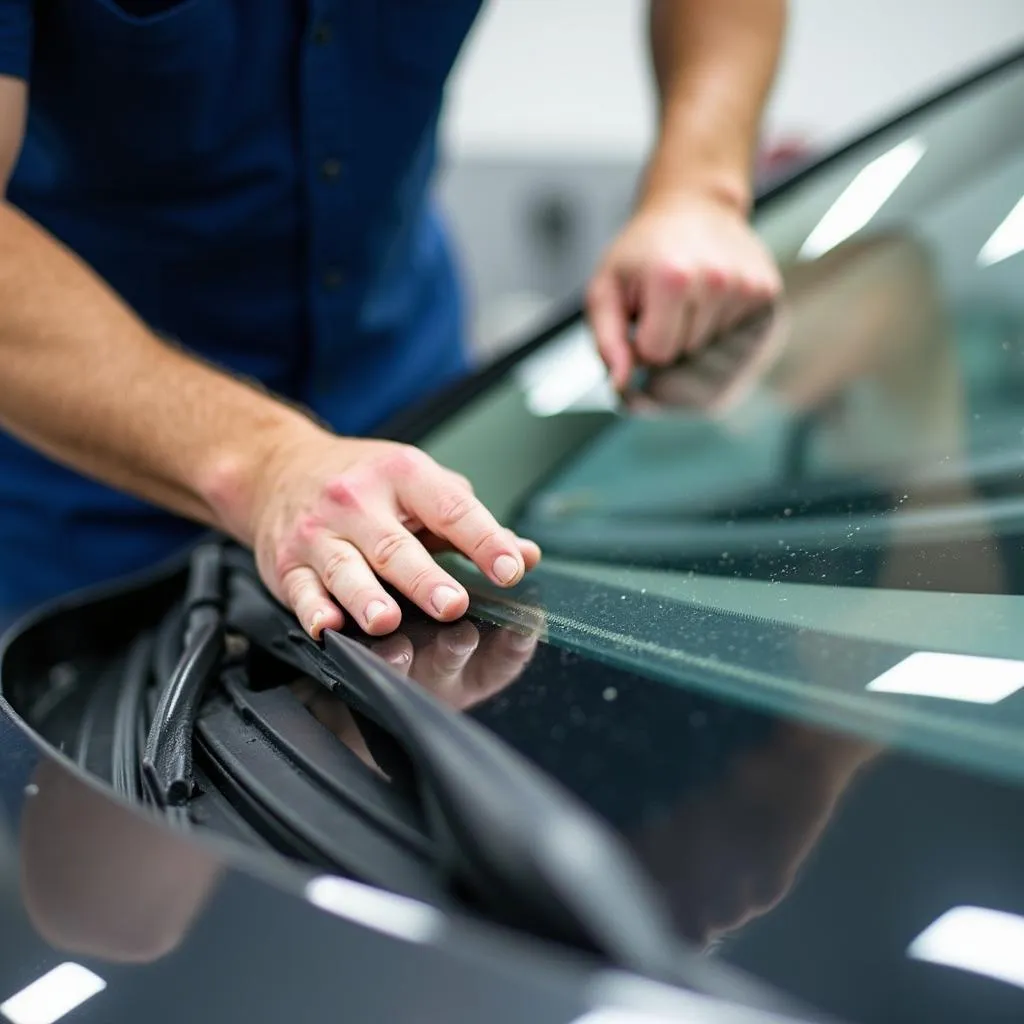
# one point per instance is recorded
(545, 79)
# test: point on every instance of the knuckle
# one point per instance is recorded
(673, 276)
(344, 492)
(422, 581)
(454, 508)
(308, 528)
(388, 548)
(283, 565)
(294, 588)
(337, 565)
(403, 462)
(490, 539)
(717, 277)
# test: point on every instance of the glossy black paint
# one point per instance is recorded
(831, 851)
(789, 826)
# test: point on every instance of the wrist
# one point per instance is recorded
(692, 181)
(238, 477)
(694, 160)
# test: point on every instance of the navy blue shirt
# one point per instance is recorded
(253, 177)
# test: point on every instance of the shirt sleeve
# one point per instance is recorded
(16, 37)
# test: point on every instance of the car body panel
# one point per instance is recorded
(836, 836)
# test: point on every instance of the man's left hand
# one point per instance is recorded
(686, 267)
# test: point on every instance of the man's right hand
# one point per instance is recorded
(329, 518)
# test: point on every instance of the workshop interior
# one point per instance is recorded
(738, 737)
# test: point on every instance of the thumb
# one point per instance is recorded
(609, 318)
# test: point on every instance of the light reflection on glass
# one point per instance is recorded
(952, 677)
(1007, 240)
(386, 912)
(53, 996)
(863, 198)
(976, 939)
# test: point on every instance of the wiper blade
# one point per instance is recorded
(527, 850)
(167, 760)
(507, 836)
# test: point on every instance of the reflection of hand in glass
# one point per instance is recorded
(101, 880)
(732, 852)
(459, 665)
(717, 378)
(454, 662)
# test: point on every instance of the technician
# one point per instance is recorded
(218, 215)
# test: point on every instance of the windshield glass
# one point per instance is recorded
(822, 515)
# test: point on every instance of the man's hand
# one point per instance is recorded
(330, 517)
(686, 267)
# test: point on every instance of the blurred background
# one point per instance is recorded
(550, 115)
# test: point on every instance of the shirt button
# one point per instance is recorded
(322, 33)
(333, 278)
(330, 169)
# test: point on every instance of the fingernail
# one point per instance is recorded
(314, 624)
(443, 598)
(505, 568)
(374, 610)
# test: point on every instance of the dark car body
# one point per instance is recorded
(773, 656)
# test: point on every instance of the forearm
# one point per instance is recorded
(85, 381)
(714, 61)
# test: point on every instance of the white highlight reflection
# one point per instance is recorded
(53, 996)
(960, 677)
(612, 1015)
(566, 375)
(989, 942)
(863, 198)
(1007, 240)
(383, 911)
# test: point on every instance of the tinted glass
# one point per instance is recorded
(779, 613)
(838, 482)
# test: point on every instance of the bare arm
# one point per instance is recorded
(714, 64)
(85, 381)
(687, 266)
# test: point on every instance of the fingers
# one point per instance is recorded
(345, 573)
(450, 510)
(527, 548)
(530, 551)
(356, 530)
(609, 319)
(665, 317)
(304, 593)
(394, 554)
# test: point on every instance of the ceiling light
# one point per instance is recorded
(1007, 240)
(863, 198)
(53, 996)
(383, 911)
(989, 942)
(953, 677)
